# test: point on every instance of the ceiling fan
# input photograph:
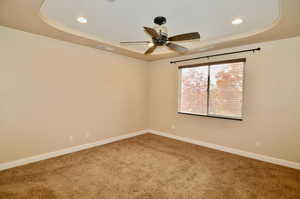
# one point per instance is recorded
(159, 35)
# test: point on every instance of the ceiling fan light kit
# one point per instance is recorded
(159, 36)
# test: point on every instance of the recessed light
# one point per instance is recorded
(82, 20)
(237, 21)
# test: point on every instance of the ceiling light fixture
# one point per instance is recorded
(82, 20)
(237, 21)
(150, 44)
(160, 38)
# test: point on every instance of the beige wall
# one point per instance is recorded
(51, 90)
(271, 106)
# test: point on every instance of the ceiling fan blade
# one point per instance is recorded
(150, 50)
(151, 32)
(177, 47)
(135, 42)
(187, 36)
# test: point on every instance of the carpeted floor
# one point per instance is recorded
(150, 167)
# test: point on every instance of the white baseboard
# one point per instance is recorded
(251, 155)
(16, 163)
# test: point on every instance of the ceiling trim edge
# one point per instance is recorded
(205, 44)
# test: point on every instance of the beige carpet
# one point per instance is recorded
(150, 167)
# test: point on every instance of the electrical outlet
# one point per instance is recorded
(173, 127)
(71, 138)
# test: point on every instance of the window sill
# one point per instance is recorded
(212, 116)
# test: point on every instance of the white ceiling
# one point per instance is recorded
(113, 21)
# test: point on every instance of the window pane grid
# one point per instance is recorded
(213, 90)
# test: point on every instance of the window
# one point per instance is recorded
(213, 89)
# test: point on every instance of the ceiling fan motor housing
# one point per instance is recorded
(161, 30)
(163, 35)
(160, 41)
